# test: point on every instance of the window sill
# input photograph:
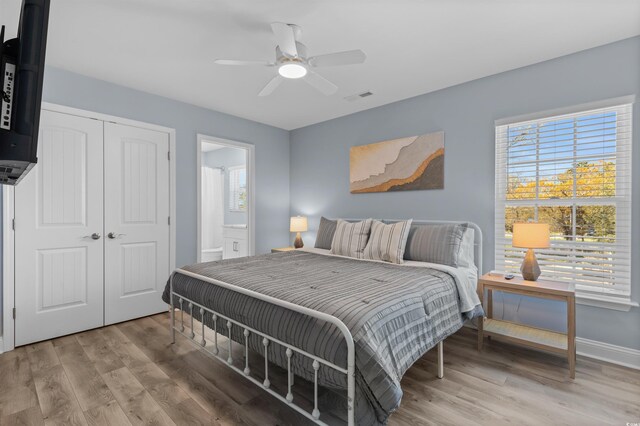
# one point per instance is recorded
(606, 302)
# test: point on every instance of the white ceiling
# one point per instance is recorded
(167, 47)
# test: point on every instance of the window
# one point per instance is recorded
(572, 171)
(238, 189)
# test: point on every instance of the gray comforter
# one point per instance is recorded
(395, 313)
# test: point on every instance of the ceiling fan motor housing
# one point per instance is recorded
(302, 54)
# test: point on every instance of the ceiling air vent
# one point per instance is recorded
(358, 96)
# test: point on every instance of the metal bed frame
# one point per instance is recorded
(290, 349)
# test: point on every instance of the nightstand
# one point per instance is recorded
(559, 343)
(282, 249)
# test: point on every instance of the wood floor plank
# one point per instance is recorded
(90, 389)
(57, 399)
(220, 407)
(153, 339)
(127, 351)
(171, 397)
(109, 414)
(29, 417)
(189, 412)
(237, 388)
(17, 390)
(99, 351)
(136, 402)
(64, 340)
(42, 357)
(14, 369)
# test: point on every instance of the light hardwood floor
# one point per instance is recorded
(129, 374)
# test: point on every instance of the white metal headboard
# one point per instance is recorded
(477, 234)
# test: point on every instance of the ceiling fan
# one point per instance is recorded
(292, 61)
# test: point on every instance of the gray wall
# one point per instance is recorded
(228, 157)
(466, 113)
(271, 147)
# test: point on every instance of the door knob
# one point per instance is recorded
(94, 236)
(114, 235)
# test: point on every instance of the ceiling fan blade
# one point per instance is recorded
(271, 86)
(347, 57)
(286, 39)
(320, 83)
(234, 62)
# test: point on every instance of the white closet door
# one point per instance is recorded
(136, 216)
(58, 206)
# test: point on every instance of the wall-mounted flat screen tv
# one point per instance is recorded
(22, 71)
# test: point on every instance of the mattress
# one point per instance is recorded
(395, 313)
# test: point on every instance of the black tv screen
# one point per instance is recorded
(22, 72)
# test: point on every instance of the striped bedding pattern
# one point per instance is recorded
(395, 313)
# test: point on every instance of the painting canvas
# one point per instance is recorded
(412, 163)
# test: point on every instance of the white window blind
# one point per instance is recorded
(237, 188)
(572, 171)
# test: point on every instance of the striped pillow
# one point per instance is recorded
(326, 230)
(387, 242)
(350, 239)
(435, 243)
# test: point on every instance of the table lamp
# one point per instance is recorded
(530, 236)
(298, 224)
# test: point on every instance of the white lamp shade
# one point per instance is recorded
(531, 235)
(298, 224)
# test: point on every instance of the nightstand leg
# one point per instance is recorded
(489, 303)
(480, 290)
(571, 335)
(480, 332)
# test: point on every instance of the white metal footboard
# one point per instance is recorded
(190, 306)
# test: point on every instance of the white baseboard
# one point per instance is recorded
(607, 352)
(1, 345)
(620, 355)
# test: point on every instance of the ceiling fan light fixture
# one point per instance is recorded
(292, 70)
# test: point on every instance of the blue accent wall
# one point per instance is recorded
(466, 113)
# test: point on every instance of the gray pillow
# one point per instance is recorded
(325, 233)
(435, 243)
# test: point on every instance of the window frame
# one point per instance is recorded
(589, 294)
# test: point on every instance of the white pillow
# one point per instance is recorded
(350, 239)
(466, 255)
(387, 242)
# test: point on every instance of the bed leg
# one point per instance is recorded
(172, 322)
(440, 360)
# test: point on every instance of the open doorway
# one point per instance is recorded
(225, 199)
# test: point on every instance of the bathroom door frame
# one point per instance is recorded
(251, 184)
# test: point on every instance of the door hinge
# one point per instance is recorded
(13, 224)
(14, 313)
(169, 221)
(169, 155)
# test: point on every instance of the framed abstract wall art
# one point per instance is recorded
(404, 164)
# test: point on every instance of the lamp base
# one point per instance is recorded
(298, 242)
(530, 268)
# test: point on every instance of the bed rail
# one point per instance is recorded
(190, 305)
